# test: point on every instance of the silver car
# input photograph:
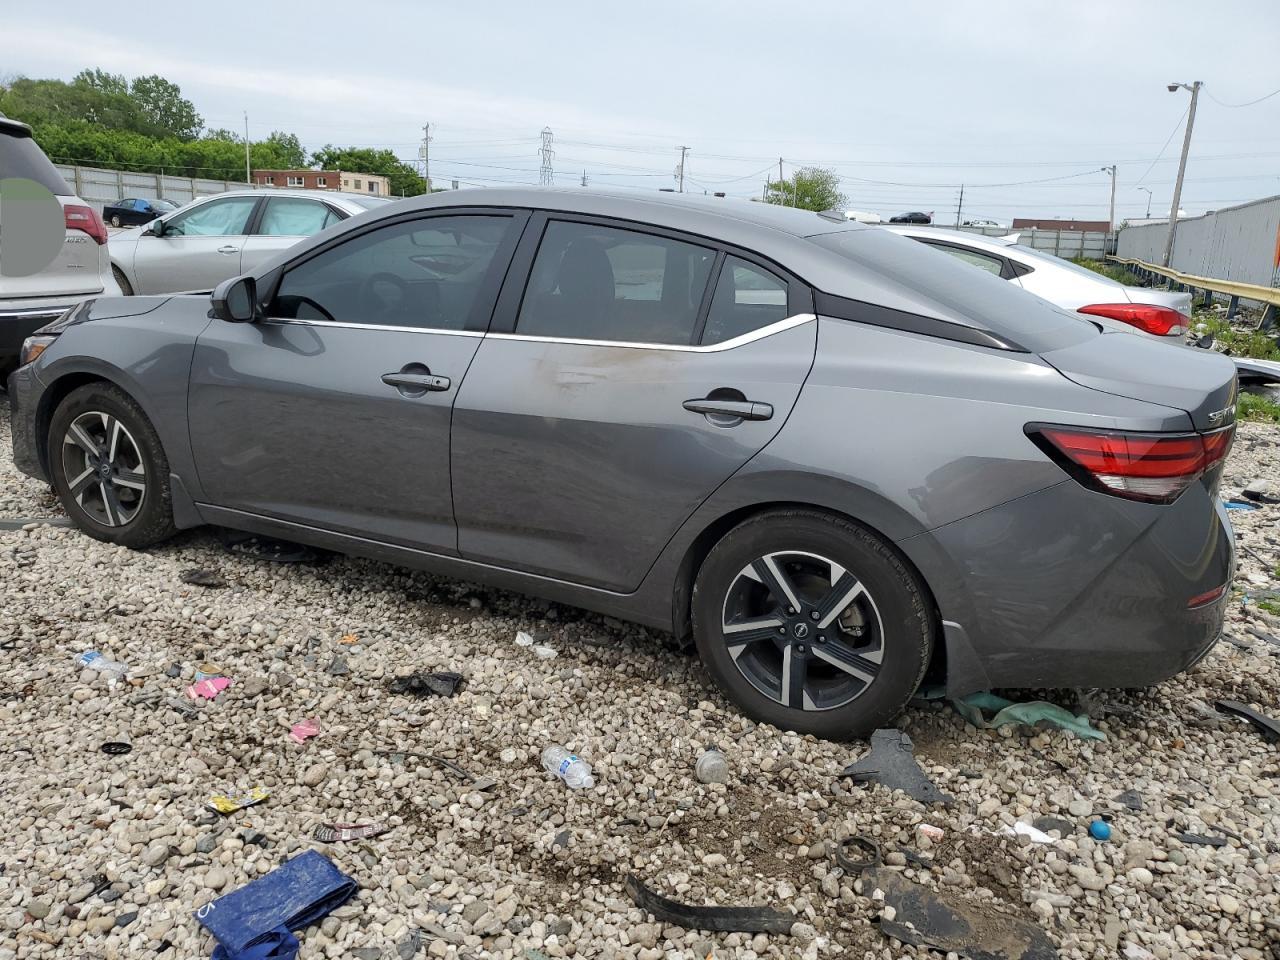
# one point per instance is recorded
(205, 242)
(1063, 283)
(79, 270)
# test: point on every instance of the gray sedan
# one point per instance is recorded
(213, 238)
(840, 460)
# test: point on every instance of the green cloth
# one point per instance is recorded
(1006, 711)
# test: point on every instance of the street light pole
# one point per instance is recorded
(1182, 164)
(1147, 190)
(1112, 170)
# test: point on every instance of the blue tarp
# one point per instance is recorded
(254, 922)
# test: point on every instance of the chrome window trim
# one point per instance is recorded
(370, 326)
(778, 326)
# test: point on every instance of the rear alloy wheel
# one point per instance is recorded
(108, 467)
(115, 219)
(812, 623)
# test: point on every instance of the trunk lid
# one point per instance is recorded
(1200, 382)
(1161, 298)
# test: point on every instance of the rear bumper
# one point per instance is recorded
(1070, 588)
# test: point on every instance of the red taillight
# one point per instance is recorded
(85, 219)
(1206, 598)
(1161, 321)
(1155, 467)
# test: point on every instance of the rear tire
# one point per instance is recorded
(812, 623)
(122, 281)
(115, 219)
(109, 469)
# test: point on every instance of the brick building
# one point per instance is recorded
(370, 183)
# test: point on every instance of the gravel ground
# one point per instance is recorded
(528, 865)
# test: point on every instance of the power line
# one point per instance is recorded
(1172, 133)
(1249, 103)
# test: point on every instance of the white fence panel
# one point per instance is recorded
(98, 186)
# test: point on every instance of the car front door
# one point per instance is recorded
(199, 249)
(282, 223)
(333, 411)
(632, 375)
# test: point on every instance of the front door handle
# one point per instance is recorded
(737, 409)
(229, 249)
(427, 382)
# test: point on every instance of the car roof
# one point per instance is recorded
(297, 192)
(955, 236)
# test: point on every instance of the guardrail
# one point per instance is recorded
(1228, 288)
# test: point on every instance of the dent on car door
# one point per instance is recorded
(282, 223)
(333, 412)
(200, 247)
(637, 373)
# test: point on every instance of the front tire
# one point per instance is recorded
(122, 281)
(109, 469)
(812, 623)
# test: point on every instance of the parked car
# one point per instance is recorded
(861, 216)
(983, 223)
(29, 300)
(913, 217)
(1162, 313)
(838, 459)
(134, 211)
(225, 235)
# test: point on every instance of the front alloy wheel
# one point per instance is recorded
(104, 468)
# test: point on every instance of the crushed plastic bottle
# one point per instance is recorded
(712, 767)
(569, 767)
(93, 660)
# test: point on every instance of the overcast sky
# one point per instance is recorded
(906, 100)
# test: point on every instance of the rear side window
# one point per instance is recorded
(979, 260)
(747, 298)
(20, 156)
(591, 282)
(295, 217)
(427, 274)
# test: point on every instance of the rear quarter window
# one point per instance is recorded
(20, 156)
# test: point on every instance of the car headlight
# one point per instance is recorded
(32, 347)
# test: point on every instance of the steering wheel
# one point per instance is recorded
(373, 298)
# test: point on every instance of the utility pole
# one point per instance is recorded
(248, 177)
(546, 176)
(424, 154)
(960, 206)
(1112, 170)
(680, 169)
(584, 178)
(1182, 164)
(1147, 190)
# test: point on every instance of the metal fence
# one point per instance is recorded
(1069, 244)
(98, 187)
(1241, 243)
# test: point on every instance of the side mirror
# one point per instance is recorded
(155, 228)
(236, 300)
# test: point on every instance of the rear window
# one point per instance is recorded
(946, 288)
(21, 157)
(369, 203)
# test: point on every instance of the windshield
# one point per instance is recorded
(941, 286)
(21, 157)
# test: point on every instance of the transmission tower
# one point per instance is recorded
(546, 176)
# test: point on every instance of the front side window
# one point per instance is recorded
(987, 263)
(418, 273)
(217, 218)
(747, 298)
(295, 217)
(591, 282)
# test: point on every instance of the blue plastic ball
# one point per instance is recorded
(1100, 830)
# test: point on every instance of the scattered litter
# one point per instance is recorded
(868, 854)
(1064, 827)
(1201, 840)
(929, 830)
(348, 639)
(1266, 726)
(712, 767)
(340, 832)
(562, 840)
(117, 747)
(301, 731)
(1239, 505)
(230, 803)
(93, 660)
(1130, 798)
(1030, 713)
(719, 919)
(202, 578)
(523, 639)
(1021, 829)
(258, 919)
(543, 652)
(569, 767)
(916, 915)
(208, 688)
(891, 763)
(420, 684)
(1100, 830)
(268, 548)
(207, 671)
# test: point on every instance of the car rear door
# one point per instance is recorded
(334, 411)
(200, 248)
(633, 374)
(281, 223)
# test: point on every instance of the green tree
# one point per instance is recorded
(404, 179)
(98, 79)
(161, 104)
(809, 188)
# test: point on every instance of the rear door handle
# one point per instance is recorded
(417, 381)
(228, 249)
(739, 409)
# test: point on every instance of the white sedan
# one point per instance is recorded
(1162, 313)
(222, 236)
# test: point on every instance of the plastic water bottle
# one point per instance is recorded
(712, 767)
(569, 767)
(93, 660)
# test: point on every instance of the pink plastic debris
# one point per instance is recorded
(299, 732)
(208, 688)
